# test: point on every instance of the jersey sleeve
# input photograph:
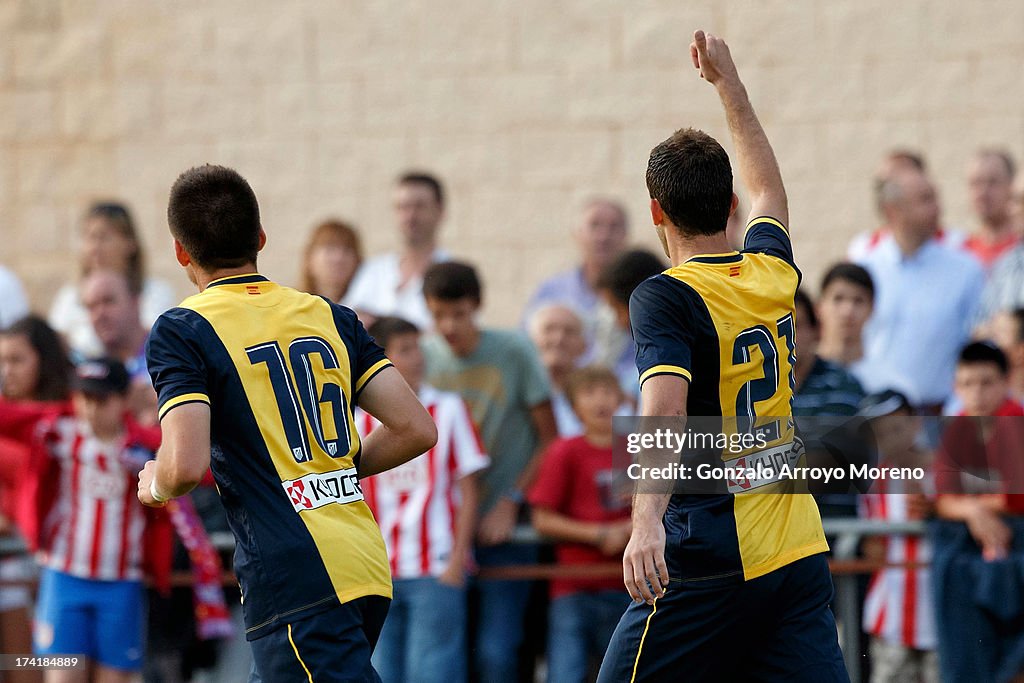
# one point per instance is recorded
(662, 329)
(176, 363)
(367, 358)
(765, 235)
(550, 489)
(467, 449)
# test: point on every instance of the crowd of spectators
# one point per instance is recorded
(922, 319)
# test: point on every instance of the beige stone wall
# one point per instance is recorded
(524, 107)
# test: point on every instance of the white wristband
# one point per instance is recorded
(156, 494)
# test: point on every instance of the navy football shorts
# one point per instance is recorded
(777, 627)
(327, 647)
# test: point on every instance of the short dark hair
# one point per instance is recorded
(851, 273)
(626, 271)
(589, 376)
(980, 352)
(690, 176)
(214, 214)
(802, 300)
(423, 178)
(55, 368)
(451, 281)
(385, 329)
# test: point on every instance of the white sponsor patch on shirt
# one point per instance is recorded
(313, 491)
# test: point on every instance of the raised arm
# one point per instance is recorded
(755, 159)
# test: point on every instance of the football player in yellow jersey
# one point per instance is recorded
(258, 383)
(730, 586)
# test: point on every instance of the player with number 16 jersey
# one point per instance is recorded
(259, 382)
(260, 352)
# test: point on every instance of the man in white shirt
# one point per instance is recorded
(13, 303)
(392, 283)
(926, 297)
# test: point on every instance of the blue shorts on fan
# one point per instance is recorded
(101, 620)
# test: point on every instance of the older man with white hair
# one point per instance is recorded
(557, 332)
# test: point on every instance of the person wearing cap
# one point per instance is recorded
(978, 539)
(95, 538)
(898, 610)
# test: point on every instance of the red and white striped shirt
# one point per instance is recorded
(415, 504)
(96, 525)
(898, 607)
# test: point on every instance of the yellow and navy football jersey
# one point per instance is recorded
(281, 371)
(724, 322)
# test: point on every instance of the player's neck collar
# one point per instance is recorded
(245, 279)
(728, 257)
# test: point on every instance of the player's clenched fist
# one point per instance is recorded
(146, 486)
(711, 57)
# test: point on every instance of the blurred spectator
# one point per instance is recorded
(574, 502)
(109, 242)
(557, 332)
(979, 551)
(392, 283)
(13, 302)
(500, 376)
(34, 364)
(895, 162)
(823, 388)
(926, 298)
(113, 310)
(1005, 287)
(899, 609)
(97, 538)
(847, 299)
(989, 180)
(332, 256)
(1008, 334)
(427, 512)
(614, 348)
(33, 367)
(600, 236)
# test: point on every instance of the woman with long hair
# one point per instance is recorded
(34, 366)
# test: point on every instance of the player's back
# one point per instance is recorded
(725, 322)
(281, 371)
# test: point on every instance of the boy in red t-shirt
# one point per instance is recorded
(575, 503)
(978, 542)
